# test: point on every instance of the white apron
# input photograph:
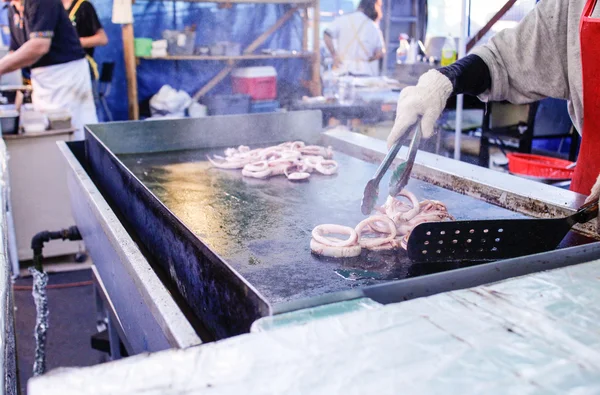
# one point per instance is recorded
(66, 86)
(355, 55)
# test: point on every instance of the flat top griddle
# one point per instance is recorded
(262, 228)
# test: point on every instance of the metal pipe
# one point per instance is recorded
(40, 296)
(462, 49)
(37, 242)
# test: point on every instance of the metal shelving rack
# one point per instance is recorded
(396, 21)
(313, 57)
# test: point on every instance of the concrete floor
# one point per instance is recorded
(72, 321)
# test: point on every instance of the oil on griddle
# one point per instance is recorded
(262, 228)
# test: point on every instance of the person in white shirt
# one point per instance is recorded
(355, 40)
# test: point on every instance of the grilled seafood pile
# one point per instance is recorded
(387, 229)
(293, 159)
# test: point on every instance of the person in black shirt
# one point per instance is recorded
(43, 38)
(91, 34)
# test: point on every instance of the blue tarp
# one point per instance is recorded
(241, 23)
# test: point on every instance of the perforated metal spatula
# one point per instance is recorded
(489, 240)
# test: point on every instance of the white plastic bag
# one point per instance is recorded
(169, 101)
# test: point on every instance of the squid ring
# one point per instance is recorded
(297, 172)
(374, 242)
(320, 231)
(334, 252)
(326, 167)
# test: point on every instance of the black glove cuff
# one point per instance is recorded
(469, 75)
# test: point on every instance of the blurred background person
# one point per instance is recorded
(355, 40)
(89, 29)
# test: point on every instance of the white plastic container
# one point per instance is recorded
(160, 44)
(197, 110)
(346, 91)
(413, 51)
(60, 119)
(33, 121)
(329, 81)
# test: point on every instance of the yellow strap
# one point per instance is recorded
(94, 66)
(355, 38)
(90, 60)
(75, 9)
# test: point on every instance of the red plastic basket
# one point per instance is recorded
(539, 166)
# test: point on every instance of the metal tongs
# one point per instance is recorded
(400, 176)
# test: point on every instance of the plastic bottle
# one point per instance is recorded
(402, 51)
(413, 51)
(329, 81)
(346, 92)
(448, 52)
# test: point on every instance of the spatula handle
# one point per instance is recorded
(587, 212)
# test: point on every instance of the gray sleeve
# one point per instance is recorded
(529, 62)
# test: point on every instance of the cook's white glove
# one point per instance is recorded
(595, 193)
(427, 99)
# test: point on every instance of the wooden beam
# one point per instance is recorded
(251, 48)
(316, 64)
(263, 37)
(305, 29)
(130, 71)
(213, 82)
(475, 39)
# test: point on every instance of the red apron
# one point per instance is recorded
(588, 162)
